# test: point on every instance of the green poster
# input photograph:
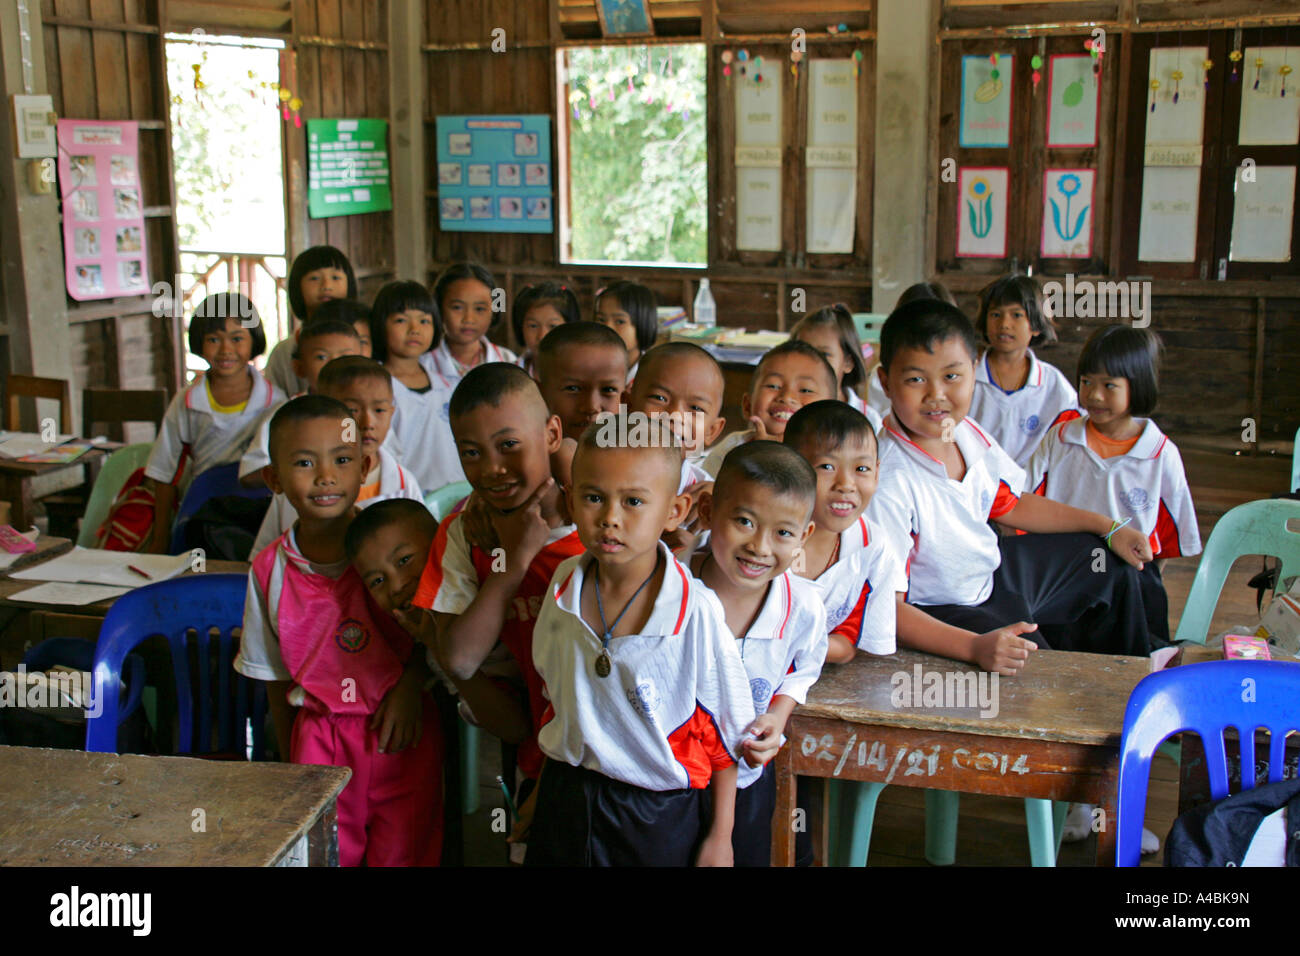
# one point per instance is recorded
(347, 167)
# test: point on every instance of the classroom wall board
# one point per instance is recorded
(1073, 100)
(1262, 212)
(986, 100)
(103, 219)
(832, 154)
(758, 162)
(982, 215)
(495, 174)
(1067, 213)
(1270, 106)
(347, 167)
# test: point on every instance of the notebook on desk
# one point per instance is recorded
(120, 569)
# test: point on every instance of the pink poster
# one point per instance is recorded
(103, 216)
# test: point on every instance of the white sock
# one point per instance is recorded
(1078, 823)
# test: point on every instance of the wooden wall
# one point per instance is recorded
(105, 60)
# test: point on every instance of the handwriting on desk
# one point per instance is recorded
(914, 761)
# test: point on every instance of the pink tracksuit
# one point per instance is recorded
(346, 654)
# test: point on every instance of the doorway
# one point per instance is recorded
(228, 164)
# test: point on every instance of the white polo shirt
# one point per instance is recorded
(1018, 420)
(676, 703)
(279, 368)
(858, 589)
(784, 649)
(440, 360)
(214, 438)
(394, 482)
(1147, 483)
(855, 402)
(422, 424)
(954, 552)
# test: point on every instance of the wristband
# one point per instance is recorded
(1115, 526)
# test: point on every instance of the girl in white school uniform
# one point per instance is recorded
(831, 331)
(631, 310)
(404, 326)
(1114, 462)
(1017, 397)
(463, 298)
(1120, 464)
(212, 421)
(318, 275)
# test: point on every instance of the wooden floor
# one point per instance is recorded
(991, 830)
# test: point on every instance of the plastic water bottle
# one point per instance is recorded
(706, 310)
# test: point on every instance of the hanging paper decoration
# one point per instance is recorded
(1036, 62)
(1259, 66)
(1285, 71)
(1207, 66)
(857, 61)
(726, 63)
(1235, 57)
(1155, 85)
(795, 57)
(1177, 76)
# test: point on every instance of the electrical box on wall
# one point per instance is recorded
(34, 120)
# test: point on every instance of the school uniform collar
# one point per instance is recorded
(972, 441)
(449, 367)
(392, 476)
(198, 399)
(1149, 444)
(1033, 380)
(288, 545)
(774, 616)
(672, 606)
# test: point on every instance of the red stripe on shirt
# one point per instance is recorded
(851, 627)
(1164, 539)
(699, 749)
(431, 577)
(681, 615)
(1005, 500)
(789, 602)
(1069, 415)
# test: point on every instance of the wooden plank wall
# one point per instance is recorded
(751, 289)
(119, 342)
(342, 71)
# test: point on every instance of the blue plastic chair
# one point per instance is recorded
(213, 483)
(441, 502)
(171, 609)
(117, 468)
(1257, 527)
(1204, 699)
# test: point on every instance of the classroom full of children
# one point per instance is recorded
(636, 614)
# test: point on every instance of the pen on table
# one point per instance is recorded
(144, 574)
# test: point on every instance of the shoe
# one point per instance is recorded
(1078, 823)
(1150, 842)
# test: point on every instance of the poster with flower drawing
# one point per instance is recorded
(982, 212)
(1067, 213)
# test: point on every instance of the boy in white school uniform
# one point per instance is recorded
(366, 388)
(856, 569)
(943, 479)
(649, 701)
(758, 515)
(319, 343)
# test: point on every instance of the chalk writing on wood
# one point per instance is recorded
(915, 761)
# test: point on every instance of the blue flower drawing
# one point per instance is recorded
(1069, 185)
(980, 207)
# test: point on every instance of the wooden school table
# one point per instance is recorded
(72, 808)
(1056, 735)
(16, 479)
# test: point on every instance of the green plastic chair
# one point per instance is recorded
(441, 502)
(1295, 463)
(1257, 527)
(117, 468)
(1044, 820)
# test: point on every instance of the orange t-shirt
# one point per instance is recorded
(1109, 447)
(371, 490)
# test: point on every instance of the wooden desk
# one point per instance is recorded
(72, 808)
(16, 479)
(1056, 735)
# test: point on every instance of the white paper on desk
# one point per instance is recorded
(7, 560)
(75, 595)
(18, 444)
(93, 566)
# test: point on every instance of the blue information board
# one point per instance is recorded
(495, 174)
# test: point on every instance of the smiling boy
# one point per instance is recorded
(943, 479)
